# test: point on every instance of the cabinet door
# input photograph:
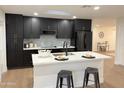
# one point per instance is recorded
(45, 22)
(82, 25)
(28, 57)
(49, 24)
(35, 27)
(87, 25)
(52, 25)
(64, 29)
(31, 27)
(41, 26)
(11, 25)
(14, 40)
(27, 27)
(11, 57)
(19, 26)
(14, 26)
(14, 53)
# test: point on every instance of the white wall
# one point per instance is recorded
(3, 67)
(109, 35)
(119, 58)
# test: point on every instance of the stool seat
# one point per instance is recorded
(64, 73)
(91, 70)
(68, 76)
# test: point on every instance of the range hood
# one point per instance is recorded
(48, 32)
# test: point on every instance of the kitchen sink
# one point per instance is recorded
(62, 53)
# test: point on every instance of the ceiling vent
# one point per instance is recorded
(86, 6)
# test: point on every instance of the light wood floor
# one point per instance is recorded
(23, 78)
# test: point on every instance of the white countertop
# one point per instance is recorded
(72, 58)
(38, 48)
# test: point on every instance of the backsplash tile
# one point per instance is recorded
(47, 41)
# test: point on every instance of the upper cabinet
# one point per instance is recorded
(49, 24)
(82, 24)
(14, 25)
(64, 29)
(32, 27)
(36, 27)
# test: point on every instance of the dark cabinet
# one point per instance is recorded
(49, 24)
(32, 27)
(27, 27)
(14, 24)
(28, 57)
(62, 50)
(36, 27)
(14, 40)
(64, 29)
(82, 24)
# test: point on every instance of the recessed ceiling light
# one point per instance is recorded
(96, 8)
(35, 13)
(74, 17)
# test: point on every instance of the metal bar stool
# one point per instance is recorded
(94, 71)
(68, 76)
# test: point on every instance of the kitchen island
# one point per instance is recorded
(46, 68)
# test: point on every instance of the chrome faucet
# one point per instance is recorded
(65, 46)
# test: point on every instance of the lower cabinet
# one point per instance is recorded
(56, 50)
(63, 50)
(27, 57)
(14, 53)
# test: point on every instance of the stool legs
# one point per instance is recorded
(57, 83)
(84, 79)
(61, 82)
(96, 79)
(69, 80)
(87, 78)
(72, 82)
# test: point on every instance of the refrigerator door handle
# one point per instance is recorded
(85, 45)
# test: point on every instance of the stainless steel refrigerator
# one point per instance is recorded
(83, 41)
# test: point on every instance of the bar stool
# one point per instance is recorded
(68, 76)
(94, 71)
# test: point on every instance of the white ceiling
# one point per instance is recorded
(105, 17)
(106, 11)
